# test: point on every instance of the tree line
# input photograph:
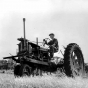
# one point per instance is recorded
(7, 64)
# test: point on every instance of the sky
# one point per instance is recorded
(67, 19)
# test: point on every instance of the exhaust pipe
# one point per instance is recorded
(37, 40)
(24, 32)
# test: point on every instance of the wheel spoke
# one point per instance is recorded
(76, 72)
(76, 64)
(26, 71)
(73, 58)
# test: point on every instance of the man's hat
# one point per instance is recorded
(51, 34)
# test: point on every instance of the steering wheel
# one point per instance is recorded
(45, 41)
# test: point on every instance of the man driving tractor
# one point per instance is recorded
(53, 43)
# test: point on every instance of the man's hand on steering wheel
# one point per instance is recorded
(46, 40)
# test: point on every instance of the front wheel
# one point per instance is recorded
(25, 70)
(73, 61)
(16, 70)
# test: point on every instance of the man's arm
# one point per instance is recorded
(56, 44)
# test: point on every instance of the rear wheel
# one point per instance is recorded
(25, 70)
(73, 61)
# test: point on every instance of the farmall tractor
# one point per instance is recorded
(32, 59)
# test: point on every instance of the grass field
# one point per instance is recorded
(46, 81)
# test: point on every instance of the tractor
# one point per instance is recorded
(33, 59)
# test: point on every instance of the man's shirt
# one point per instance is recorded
(54, 42)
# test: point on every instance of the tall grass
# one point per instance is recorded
(46, 81)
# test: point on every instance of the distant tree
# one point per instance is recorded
(86, 67)
(10, 64)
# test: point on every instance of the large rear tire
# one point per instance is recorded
(73, 61)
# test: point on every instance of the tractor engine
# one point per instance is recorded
(23, 46)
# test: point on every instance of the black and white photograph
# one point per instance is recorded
(43, 43)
